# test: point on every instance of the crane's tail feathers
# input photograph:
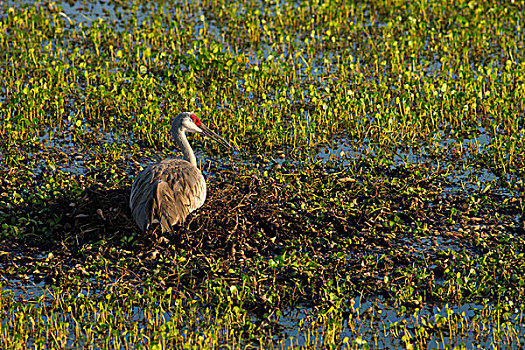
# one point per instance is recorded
(168, 208)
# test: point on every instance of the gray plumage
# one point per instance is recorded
(166, 192)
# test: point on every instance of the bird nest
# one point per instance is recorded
(238, 217)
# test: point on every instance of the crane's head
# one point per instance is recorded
(189, 122)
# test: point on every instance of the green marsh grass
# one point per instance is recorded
(409, 236)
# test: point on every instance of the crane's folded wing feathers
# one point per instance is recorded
(166, 193)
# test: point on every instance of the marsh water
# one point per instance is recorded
(374, 198)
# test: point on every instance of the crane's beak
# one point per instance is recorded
(211, 134)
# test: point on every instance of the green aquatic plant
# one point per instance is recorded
(375, 201)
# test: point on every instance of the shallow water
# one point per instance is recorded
(464, 177)
(375, 314)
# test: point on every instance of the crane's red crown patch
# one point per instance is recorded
(195, 119)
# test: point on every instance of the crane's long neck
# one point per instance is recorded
(180, 137)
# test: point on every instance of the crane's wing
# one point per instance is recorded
(166, 193)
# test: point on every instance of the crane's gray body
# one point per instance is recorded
(166, 192)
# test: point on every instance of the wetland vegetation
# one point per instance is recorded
(374, 199)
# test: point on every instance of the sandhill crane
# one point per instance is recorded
(166, 192)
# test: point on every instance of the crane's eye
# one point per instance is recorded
(195, 119)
